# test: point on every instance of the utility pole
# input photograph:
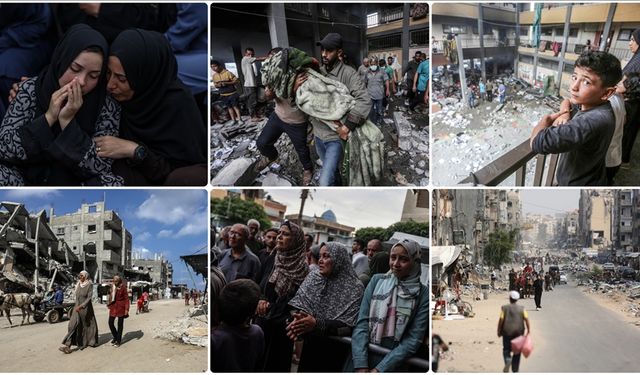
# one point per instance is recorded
(303, 197)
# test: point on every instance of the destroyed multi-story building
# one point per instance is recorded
(596, 219)
(468, 217)
(98, 237)
(160, 270)
(30, 252)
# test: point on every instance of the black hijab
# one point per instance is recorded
(77, 39)
(633, 66)
(162, 114)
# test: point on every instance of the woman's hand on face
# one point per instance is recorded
(55, 105)
(114, 148)
(74, 102)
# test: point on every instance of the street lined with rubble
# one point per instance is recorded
(571, 333)
(152, 342)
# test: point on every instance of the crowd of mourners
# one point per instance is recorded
(280, 299)
(103, 94)
(329, 97)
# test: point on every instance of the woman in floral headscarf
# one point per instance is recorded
(394, 312)
(289, 270)
(328, 303)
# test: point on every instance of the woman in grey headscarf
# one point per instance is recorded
(83, 328)
(328, 302)
(394, 313)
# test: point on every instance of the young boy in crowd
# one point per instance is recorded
(236, 344)
(583, 128)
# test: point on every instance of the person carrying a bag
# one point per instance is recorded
(513, 319)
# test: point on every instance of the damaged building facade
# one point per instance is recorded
(160, 270)
(97, 237)
(30, 253)
(468, 217)
(566, 30)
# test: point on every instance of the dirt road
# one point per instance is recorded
(34, 348)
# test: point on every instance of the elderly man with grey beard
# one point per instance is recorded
(238, 262)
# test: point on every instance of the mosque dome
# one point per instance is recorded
(328, 215)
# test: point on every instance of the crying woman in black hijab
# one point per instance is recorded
(46, 134)
(162, 137)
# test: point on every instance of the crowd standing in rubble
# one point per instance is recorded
(337, 116)
(296, 304)
(91, 116)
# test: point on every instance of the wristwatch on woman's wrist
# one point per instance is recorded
(140, 153)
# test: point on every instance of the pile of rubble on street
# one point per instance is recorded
(234, 153)
(467, 139)
(191, 328)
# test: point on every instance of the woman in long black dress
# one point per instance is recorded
(162, 137)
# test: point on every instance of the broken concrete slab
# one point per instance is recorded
(233, 173)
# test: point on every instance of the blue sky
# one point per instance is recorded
(168, 222)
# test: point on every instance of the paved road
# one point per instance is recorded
(572, 333)
(34, 348)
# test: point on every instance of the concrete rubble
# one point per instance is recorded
(234, 153)
(191, 328)
(467, 139)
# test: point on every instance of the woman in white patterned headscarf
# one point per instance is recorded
(394, 312)
(328, 302)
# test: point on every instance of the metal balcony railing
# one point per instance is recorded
(515, 161)
(415, 363)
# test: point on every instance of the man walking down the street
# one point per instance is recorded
(238, 262)
(538, 285)
(377, 83)
(329, 143)
(512, 279)
(513, 319)
(410, 71)
(250, 86)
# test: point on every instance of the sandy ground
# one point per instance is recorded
(473, 342)
(34, 348)
(484, 352)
